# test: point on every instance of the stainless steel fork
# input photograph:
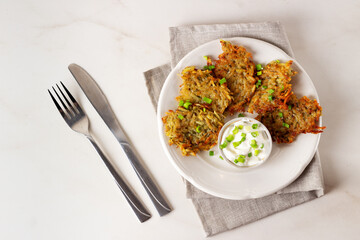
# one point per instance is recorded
(78, 121)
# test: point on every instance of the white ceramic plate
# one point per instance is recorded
(213, 175)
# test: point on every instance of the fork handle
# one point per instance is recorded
(134, 202)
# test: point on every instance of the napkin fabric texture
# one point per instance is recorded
(217, 214)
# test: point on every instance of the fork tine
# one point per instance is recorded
(57, 105)
(66, 99)
(77, 106)
(63, 104)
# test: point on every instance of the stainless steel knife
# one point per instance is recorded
(102, 106)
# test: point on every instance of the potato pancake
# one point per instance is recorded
(193, 129)
(301, 116)
(274, 87)
(201, 84)
(236, 66)
(233, 84)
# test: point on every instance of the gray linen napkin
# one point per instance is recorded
(217, 214)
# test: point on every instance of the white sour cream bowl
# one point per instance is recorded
(244, 142)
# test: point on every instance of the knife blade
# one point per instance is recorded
(102, 106)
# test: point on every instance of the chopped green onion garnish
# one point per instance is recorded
(236, 161)
(236, 144)
(255, 134)
(187, 104)
(241, 115)
(222, 81)
(253, 144)
(286, 125)
(258, 83)
(258, 66)
(204, 109)
(243, 134)
(281, 114)
(271, 91)
(230, 138)
(181, 117)
(211, 153)
(278, 61)
(235, 130)
(243, 139)
(259, 73)
(206, 58)
(198, 129)
(207, 100)
(255, 126)
(221, 157)
(262, 146)
(282, 88)
(289, 107)
(270, 97)
(256, 152)
(224, 145)
(264, 87)
(240, 127)
(210, 67)
(249, 154)
(241, 158)
(181, 103)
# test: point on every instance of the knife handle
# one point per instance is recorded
(134, 202)
(156, 197)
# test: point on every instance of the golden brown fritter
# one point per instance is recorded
(193, 129)
(236, 66)
(301, 116)
(275, 87)
(205, 96)
(198, 84)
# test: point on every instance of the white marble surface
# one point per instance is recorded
(53, 184)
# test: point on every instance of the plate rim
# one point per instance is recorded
(164, 143)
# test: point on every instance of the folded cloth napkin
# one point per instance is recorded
(217, 214)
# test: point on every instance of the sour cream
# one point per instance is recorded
(245, 142)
